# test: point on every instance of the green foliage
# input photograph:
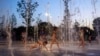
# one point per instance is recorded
(45, 27)
(26, 10)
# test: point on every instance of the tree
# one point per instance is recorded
(76, 26)
(19, 31)
(76, 30)
(2, 22)
(43, 26)
(38, 19)
(88, 33)
(13, 21)
(26, 10)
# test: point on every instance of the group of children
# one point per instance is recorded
(42, 41)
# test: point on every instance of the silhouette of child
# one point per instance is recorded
(82, 43)
(54, 39)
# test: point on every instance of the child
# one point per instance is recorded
(82, 38)
(54, 39)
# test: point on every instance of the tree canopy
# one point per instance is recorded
(26, 10)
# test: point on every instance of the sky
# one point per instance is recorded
(80, 10)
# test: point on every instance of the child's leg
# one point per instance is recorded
(57, 43)
(52, 42)
(82, 42)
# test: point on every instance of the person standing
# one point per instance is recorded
(82, 43)
(54, 38)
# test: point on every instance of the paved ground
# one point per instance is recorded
(65, 50)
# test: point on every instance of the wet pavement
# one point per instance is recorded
(72, 50)
(37, 52)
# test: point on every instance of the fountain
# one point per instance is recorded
(68, 46)
(9, 39)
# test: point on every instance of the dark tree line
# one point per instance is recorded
(89, 33)
(32, 34)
